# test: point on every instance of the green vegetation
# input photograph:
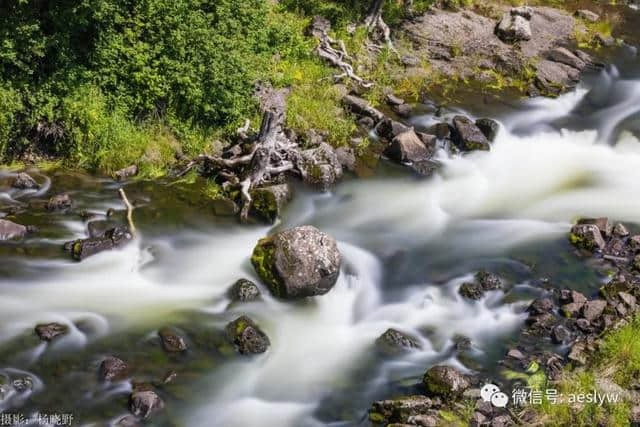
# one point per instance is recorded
(617, 360)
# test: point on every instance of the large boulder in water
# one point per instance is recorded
(446, 381)
(10, 230)
(246, 336)
(297, 263)
(113, 238)
(467, 136)
(408, 147)
(320, 167)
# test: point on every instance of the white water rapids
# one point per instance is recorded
(526, 190)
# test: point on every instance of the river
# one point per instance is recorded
(408, 243)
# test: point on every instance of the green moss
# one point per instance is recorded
(263, 262)
(376, 417)
(265, 205)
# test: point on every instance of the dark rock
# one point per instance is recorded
(513, 28)
(446, 381)
(361, 107)
(620, 230)
(366, 122)
(394, 342)
(560, 334)
(145, 404)
(541, 306)
(10, 230)
(320, 167)
(441, 130)
(171, 341)
(399, 410)
(525, 11)
(501, 421)
(572, 310)
(489, 128)
(603, 224)
(59, 202)
(297, 263)
(471, 290)
(587, 236)
(125, 173)
(584, 325)
(23, 181)
(49, 331)
(388, 129)
(407, 147)
(593, 309)
(636, 262)
(587, 15)
(113, 369)
(403, 110)
(467, 136)
(23, 384)
(634, 242)
(425, 167)
(246, 336)
(483, 407)
(113, 238)
(268, 202)
(541, 322)
(244, 291)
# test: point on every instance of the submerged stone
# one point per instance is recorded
(113, 369)
(24, 181)
(297, 263)
(145, 404)
(171, 341)
(471, 290)
(113, 238)
(59, 202)
(10, 230)
(246, 336)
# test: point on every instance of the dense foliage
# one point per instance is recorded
(78, 74)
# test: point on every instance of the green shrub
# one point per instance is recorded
(10, 107)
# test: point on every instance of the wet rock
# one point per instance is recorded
(407, 147)
(171, 341)
(560, 334)
(514, 353)
(602, 223)
(366, 122)
(10, 230)
(297, 263)
(113, 238)
(593, 309)
(620, 230)
(388, 129)
(145, 404)
(246, 336)
(393, 343)
(59, 202)
(320, 167)
(488, 281)
(541, 322)
(584, 325)
(403, 110)
(125, 173)
(347, 158)
(565, 56)
(113, 369)
(24, 181)
(268, 202)
(489, 128)
(223, 206)
(541, 306)
(577, 353)
(361, 107)
(244, 291)
(587, 15)
(50, 331)
(446, 381)
(22, 384)
(399, 410)
(572, 310)
(471, 290)
(467, 136)
(587, 236)
(554, 77)
(513, 28)
(440, 130)
(634, 243)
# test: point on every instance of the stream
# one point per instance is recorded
(408, 243)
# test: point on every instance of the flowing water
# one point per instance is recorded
(407, 244)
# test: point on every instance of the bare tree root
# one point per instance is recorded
(374, 23)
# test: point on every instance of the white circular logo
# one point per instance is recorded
(487, 391)
(499, 399)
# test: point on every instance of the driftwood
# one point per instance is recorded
(129, 207)
(374, 22)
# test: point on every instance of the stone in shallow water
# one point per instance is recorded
(144, 404)
(467, 136)
(24, 181)
(244, 291)
(394, 343)
(471, 290)
(23, 384)
(488, 127)
(10, 230)
(171, 341)
(50, 331)
(59, 202)
(113, 369)
(399, 410)
(297, 263)
(587, 236)
(408, 147)
(268, 202)
(593, 309)
(246, 336)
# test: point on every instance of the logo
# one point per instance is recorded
(491, 393)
